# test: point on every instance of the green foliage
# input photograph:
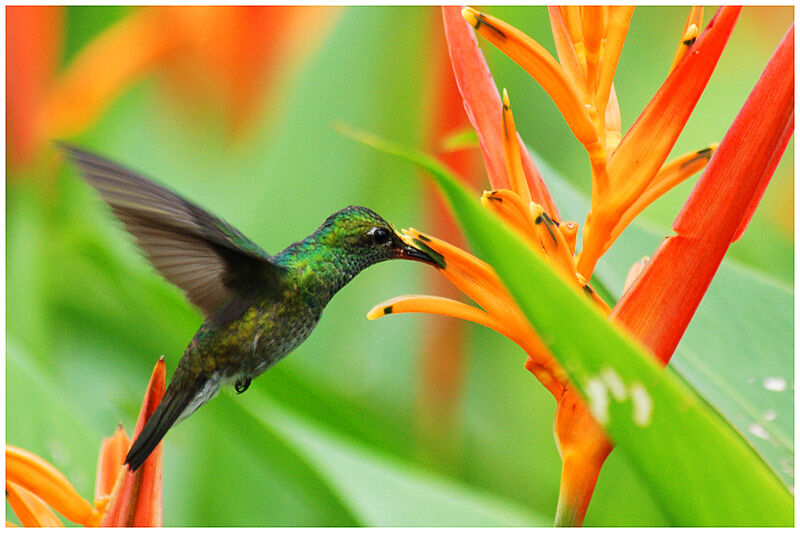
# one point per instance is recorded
(331, 435)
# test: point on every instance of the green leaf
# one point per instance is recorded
(693, 459)
(749, 313)
(249, 476)
(382, 490)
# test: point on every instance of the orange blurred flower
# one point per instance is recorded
(228, 53)
(35, 489)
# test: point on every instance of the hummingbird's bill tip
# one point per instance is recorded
(419, 251)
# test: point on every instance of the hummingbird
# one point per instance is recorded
(257, 307)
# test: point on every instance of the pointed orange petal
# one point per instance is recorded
(619, 20)
(670, 175)
(483, 106)
(478, 92)
(136, 498)
(593, 24)
(566, 53)
(29, 508)
(572, 21)
(538, 62)
(109, 464)
(647, 144)
(516, 176)
(437, 305)
(659, 305)
(43, 479)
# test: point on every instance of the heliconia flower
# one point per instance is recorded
(228, 53)
(35, 488)
(628, 173)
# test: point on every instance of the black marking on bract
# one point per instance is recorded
(480, 20)
(548, 222)
(242, 384)
(424, 238)
(494, 198)
(689, 42)
(588, 290)
(387, 310)
(436, 256)
(705, 153)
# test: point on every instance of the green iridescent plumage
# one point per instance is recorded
(258, 307)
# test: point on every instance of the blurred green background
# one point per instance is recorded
(332, 435)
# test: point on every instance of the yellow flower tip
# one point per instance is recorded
(379, 311)
(471, 16)
(506, 101)
(569, 230)
(385, 308)
(690, 33)
(690, 36)
(488, 196)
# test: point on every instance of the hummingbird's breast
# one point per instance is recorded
(247, 346)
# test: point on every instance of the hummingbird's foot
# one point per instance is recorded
(241, 385)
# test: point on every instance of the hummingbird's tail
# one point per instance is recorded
(179, 401)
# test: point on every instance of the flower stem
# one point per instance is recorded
(584, 447)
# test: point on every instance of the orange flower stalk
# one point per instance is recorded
(442, 361)
(35, 488)
(628, 173)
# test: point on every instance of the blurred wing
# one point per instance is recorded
(206, 257)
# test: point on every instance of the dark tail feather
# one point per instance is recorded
(164, 417)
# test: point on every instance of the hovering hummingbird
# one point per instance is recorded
(257, 307)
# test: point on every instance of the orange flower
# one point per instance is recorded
(628, 173)
(35, 489)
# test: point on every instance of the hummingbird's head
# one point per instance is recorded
(367, 238)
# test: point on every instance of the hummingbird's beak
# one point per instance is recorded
(419, 251)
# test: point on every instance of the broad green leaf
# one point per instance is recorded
(240, 472)
(382, 490)
(694, 460)
(746, 368)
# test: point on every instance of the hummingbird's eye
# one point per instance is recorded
(379, 235)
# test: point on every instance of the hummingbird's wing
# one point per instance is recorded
(206, 257)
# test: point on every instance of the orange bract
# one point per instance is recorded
(33, 485)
